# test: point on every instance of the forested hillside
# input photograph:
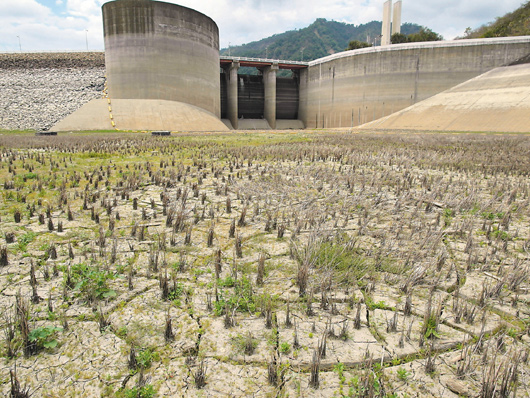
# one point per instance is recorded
(516, 23)
(319, 39)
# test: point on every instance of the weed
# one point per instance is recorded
(285, 347)
(145, 358)
(91, 283)
(145, 391)
(402, 374)
(244, 344)
(42, 337)
(24, 240)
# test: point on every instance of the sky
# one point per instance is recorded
(65, 25)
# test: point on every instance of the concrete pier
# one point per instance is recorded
(231, 83)
(396, 17)
(269, 81)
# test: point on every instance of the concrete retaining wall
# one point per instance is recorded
(497, 101)
(156, 50)
(356, 87)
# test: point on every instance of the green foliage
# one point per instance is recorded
(371, 387)
(448, 216)
(403, 375)
(356, 44)
(347, 262)
(145, 358)
(175, 292)
(43, 337)
(285, 347)
(91, 282)
(425, 34)
(95, 155)
(372, 305)
(491, 215)
(244, 344)
(512, 332)
(227, 282)
(241, 298)
(122, 332)
(147, 391)
(29, 176)
(24, 240)
(512, 24)
(339, 368)
(501, 235)
(431, 327)
(398, 38)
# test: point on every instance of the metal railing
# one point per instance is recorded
(264, 60)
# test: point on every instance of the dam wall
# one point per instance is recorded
(355, 87)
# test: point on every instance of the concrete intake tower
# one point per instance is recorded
(156, 50)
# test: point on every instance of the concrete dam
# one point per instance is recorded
(164, 72)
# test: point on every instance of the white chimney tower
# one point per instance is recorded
(385, 32)
(396, 18)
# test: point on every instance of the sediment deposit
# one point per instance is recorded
(42, 88)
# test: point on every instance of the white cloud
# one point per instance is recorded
(22, 9)
(83, 8)
(247, 20)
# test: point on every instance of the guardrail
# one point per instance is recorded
(264, 60)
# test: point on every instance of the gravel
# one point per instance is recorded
(37, 90)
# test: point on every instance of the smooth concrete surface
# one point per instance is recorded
(498, 100)
(139, 115)
(232, 84)
(254, 124)
(396, 17)
(156, 50)
(355, 87)
(269, 81)
(385, 30)
(283, 124)
(228, 124)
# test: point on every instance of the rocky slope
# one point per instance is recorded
(40, 89)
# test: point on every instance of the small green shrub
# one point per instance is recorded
(91, 282)
(372, 305)
(431, 327)
(241, 297)
(244, 344)
(24, 240)
(145, 358)
(175, 292)
(43, 337)
(403, 375)
(227, 282)
(147, 391)
(285, 348)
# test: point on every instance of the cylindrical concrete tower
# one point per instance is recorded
(157, 50)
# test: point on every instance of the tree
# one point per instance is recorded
(356, 44)
(397, 38)
(425, 34)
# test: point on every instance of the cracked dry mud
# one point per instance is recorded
(394, 265)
